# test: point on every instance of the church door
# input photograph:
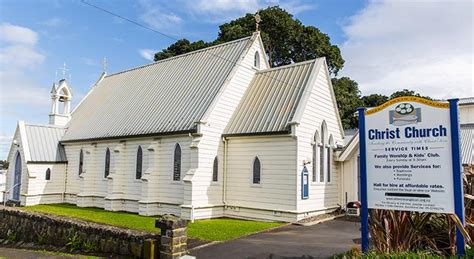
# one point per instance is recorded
(17, 178)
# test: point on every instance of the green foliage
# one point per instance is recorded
(180, 47)
(12, 237)
(89, 246)
(348, 100)
(74, 242)
(42, 239)
(374, 100)
(4, 164)
(355, 252)
(212, 229)
(285, 38)
(406, 92)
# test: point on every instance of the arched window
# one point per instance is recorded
(215, 169)
(256, 60)
(322, 153)
(329, 157)
(81, 162)
(138, 173)
(177, 163)
(47, 176)
(256, 170)
(107, 163)
(315, 156)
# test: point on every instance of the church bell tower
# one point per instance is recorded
(61, 96)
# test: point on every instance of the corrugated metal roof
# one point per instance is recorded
(166, 96)
(467, 144)
(271, 99)
(43, 142)
(467, 100)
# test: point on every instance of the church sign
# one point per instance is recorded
(410, 160)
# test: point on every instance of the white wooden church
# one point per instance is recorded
(211, 133)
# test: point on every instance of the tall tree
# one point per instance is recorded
(285, 38)
(180, 47)
(348, 100)
(374, 100)
(407, 92)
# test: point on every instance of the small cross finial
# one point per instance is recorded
(64, 69)
(257, 21)
(104, 65)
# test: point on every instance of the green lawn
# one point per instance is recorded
(209, 229)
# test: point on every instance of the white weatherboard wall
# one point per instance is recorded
(320, 107)
(121, 188)
(206, 195)
(349, 182)
(274, 197)
(42, 191)
(466, 114)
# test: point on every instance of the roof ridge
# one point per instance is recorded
(287, 66)
(45, 125)
(180, 56)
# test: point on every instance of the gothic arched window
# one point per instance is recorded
(177, 163)
(257, 167)
(215, 169)
(315, 156)
(322, 152)
(81, 162)
(47, 176)
(107, 163)
(256, 60)
(138, 172)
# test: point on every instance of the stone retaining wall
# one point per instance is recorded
(45, 229)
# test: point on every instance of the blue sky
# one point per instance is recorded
(388, 45)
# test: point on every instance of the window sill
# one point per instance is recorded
(256, 185)
(321, 183)
(215, 183)
(176, 182)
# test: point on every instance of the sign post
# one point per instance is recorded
(457, 175)
(410, 159)
(363, 183)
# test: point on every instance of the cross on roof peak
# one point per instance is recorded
(257, 20)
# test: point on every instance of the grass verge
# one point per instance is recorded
(209, 229)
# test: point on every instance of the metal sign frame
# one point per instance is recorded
(457, 176)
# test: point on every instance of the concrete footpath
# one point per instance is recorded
(319, 241)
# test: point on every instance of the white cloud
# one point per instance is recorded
(148, 54)
(17, 35)
(225, 10)
(426, 46)
(5, 142)
(19, 56)
(159, 19)
(19, 93)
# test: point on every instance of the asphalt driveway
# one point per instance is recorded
(319, 241)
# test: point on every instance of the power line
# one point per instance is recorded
(173, 38)
(126, 19)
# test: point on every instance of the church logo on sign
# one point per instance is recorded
(405, 114)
